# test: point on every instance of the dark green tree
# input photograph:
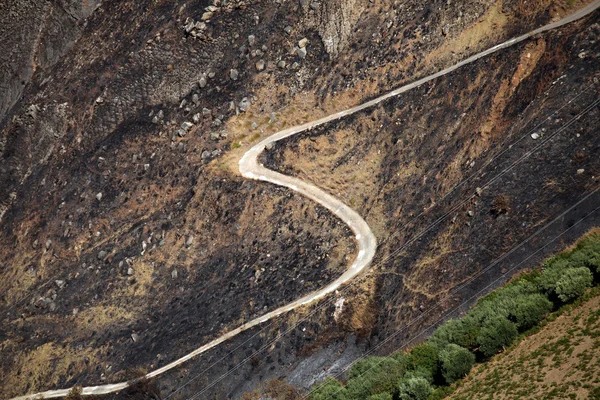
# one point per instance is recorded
(424, 359)
(455, 362)
(497, 333)
(530, 309)
(373, 375)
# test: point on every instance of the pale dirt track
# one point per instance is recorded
(367, 244)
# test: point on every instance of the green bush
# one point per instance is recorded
(414, 388)
(530, 310)
(455, 362)
(329, 389)
(462, 332)
(587, 254)
(424, 359)
(573, 283)
(495, 335)
(373, 375)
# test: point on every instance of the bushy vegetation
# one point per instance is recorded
(492, 325)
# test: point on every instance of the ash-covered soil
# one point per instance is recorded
(127, 239)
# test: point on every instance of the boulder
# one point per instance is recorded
(234, 74)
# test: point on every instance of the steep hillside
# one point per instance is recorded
(127, 239)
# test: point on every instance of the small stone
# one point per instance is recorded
(129, 271)
(254, 125)
(244, 104)
(260, 65)
(101, 255)
(446, 29)
(183, 103)
(181, 132)
(205, 154)
(234, 74)
(281, 64)
(582, 54)
(48, 243)
(478, 191)
(99, 196)
(207, 15)
(189, 241)
(288, 30)
(174, 274)
(251, 40)
(186, 125)
(202, 82)
(211, 74)
(195, 98)
(75, 311)
(135, 337)
(580, 171)
(295, 65)
(470, 213)
(302, 43)
(535, 135)
(314, 5)
(206, 111)
(302, 52)
(60, 283)
(196, 118)
(155, 120)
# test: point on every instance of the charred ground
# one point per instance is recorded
(177, 248)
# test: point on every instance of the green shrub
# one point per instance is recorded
(462, 332)
(495, 335)
(530, 309)
(455, 362)
(587, 254)
(573, 283)
(373, 375)
(424, 360)
(329, 389)
(414, 388)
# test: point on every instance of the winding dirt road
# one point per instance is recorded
(367, 244)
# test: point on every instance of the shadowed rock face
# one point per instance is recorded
(116, 180)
